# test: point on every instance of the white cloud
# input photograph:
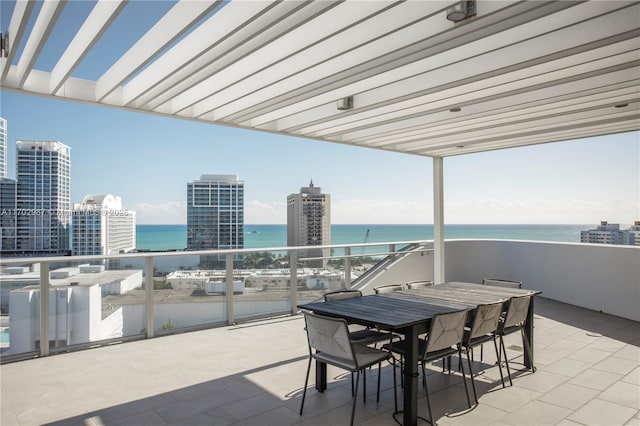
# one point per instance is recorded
(258, 212)
(381, 211)
(565, 211)
(170, 212)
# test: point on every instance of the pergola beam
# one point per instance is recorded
(100, 18)
(13, 37)
(168, 29)
(38, 37)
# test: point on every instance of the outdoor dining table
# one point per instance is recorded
(409, 313)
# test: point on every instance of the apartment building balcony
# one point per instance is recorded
(252, 372)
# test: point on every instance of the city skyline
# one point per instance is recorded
(142, 159)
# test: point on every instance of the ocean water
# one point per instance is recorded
(174, 237)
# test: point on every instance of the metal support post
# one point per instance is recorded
(44, 309)
(293, 277)
(148, 294)
(347, 267)
(438, 221)
(229, 279)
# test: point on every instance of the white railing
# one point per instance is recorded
(151, 323)
(603, 278)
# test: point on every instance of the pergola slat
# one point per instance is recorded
(521, 72)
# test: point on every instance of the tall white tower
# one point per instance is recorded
(43, 174)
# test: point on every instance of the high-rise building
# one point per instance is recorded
(309, 223)
(3, 148)
(42, 200)
(100, 226)
(215, 215)
(8, 216)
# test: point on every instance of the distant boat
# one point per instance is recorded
(254, 232)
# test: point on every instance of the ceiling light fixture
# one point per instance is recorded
(455, 109)
(461, 10)
(621, 105)
(345, 103)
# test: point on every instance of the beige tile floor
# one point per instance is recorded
(251, 374)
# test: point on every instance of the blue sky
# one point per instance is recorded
(148, 160)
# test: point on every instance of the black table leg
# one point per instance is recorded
(321, 376)
(411, 377)
(528, 332)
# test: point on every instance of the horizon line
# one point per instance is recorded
(397, 224)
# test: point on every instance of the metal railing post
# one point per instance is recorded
(347, 267)
(148, 294)
(44, 308)
(229, 279)
(293, 278)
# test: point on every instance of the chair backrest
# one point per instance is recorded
(485, 319)
(517, 311)
(502, 283)
(329, 336)
(388, 288)
(342, 294)
(446, 330)
(419, 284)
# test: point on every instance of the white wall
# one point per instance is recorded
(595, 276)
(599, 277)
(417, 266)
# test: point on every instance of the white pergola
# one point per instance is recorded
(389, 75)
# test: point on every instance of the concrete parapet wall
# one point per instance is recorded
(603, 278)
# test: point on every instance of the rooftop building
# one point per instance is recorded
(77, 312)
(102, 226)
(258, 279)
(610, 233)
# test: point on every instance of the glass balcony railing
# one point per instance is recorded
(78, 302)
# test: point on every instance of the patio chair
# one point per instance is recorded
(388, 288)
(443, 340)
(419, 284)
(329, 342)
(498, 283)
(342, 294)
(358, 333)
(502, 283)
(362, 335)
(484, 327)
(513, 322)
